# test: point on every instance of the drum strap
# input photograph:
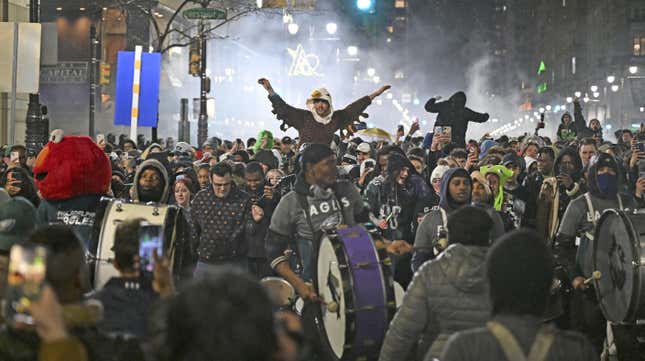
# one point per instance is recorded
(444, 217)
(592, 211)
(540, 349)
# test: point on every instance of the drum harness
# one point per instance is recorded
(317, 235)
(511, 348)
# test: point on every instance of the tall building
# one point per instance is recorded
(560, 49)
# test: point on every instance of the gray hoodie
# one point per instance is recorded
(151, 163)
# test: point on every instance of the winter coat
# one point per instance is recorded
(126, 303)
(568, 131)
(414, 198)
(310, 131)
(255, 241)
(479, 344)
(447, 295)
(78, 212)
(220, 226)
(454, 113)
(579, 221)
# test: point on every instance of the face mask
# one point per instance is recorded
(607, 184)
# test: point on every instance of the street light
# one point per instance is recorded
(332, 28)
(633, 69)
(642, 109)
(611, 79)
(293, 28)
(548, 108)
(541, 110)
(364, 5)
(371, 72)
(596, 94)
(377, 79)
(352, 50)
(594, 88)
(569, 99)
(586, 98)
(615, 88)
(577, 94)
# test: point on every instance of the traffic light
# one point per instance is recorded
(195, 59)
(366, 6)
(105, 72)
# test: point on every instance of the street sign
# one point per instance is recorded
(204, 14)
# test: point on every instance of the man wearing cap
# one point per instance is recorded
(287, 154)
(319, 122)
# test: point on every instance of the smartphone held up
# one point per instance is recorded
(26, 276)
(150, 239)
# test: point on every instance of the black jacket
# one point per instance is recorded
(453, 113)
(126, 303)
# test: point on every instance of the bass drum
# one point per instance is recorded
(356, 279)
(618, 248)
(111, 212)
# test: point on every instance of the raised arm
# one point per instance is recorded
(290, 115)
(379, 91)
(476, 117)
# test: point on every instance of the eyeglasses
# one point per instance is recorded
(221, 185)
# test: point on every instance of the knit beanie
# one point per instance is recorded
(314, 153)
(469, 225)
(520, 271)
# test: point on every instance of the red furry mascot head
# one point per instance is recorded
(71, 166)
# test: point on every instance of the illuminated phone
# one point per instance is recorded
(27, 266)
(150, 239)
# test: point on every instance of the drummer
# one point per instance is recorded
(318, 201)
(579, 220)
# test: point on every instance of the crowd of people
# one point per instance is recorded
(477, 230)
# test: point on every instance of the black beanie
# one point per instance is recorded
(314, 153)
(520, 272)
(469, 225)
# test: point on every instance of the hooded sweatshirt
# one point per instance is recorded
(164, 191)
(433, 225)
(454, 113)
(341, 204)
(568, 131)
(580, 221)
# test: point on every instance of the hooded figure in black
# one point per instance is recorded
(580, 220)
(399, 200)
(454, 113)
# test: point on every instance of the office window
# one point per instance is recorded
(399, 4)
(639, 46)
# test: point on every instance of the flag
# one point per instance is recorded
(148, 90)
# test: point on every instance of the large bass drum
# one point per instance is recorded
(356, 278)
(618, 251)
(110, 213)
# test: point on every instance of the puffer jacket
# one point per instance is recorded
(447, 295)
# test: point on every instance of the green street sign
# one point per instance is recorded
(204, 14)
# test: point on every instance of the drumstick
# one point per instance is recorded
(596, 275)
(332, 306)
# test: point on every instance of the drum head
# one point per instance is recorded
(280, 291)
(613, 255)
(329, 277)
